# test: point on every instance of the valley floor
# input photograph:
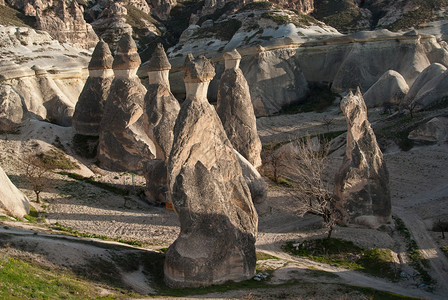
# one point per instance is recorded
(419, 188)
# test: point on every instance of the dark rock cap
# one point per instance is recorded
(159, 60)
(101, 57)
(126, 57)
(199, 70)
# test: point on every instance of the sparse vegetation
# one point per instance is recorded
(70, 230)
(413, 251)
(105, 186)
(222, 30)
(12, 17)
(37, 173)
(22, 280)
(258, 5)
(341, 253)
(277, 18)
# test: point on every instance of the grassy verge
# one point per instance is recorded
(445, 250)
(21, 280)
(341, 253)
(417, 261)
(70, 230)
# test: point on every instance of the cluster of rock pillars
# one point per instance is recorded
(203, 160)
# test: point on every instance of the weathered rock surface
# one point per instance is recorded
(123, 143)
(236, 112)
(90, 106)
(12, 201)
(64, 21)
(217, 217)
(429, 89)
(162, 8)
(362, 183)
(434, 131)
(111, 24)
(255, 182)
(47, 76)
(11, 111)
(161, 110)
(390, 88)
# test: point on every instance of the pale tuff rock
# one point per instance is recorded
(434, 131)
(209, 193)
(274, 80)
(12, 201)
(89, 108)
(123, 143)
(11, 111)
(236, 112)
(161, 110)
(362, 183)
(429, 88)
(64, 21)
(390, 88)
(255, 182)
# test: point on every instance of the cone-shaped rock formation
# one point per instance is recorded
(362, 183)
(123, 143)
(161, 110)
(217, 218)
(236, 111)
(89, 108)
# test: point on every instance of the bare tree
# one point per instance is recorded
(274, 162)
(37, 174)
(327, 122)
(310, 189)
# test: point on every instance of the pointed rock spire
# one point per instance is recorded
(126, 57)
(101, 57)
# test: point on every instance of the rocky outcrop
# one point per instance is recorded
(123, 143)
(89, 108)
(268, 69)
(111, 24)
(362, 183)
(47, 76)
(64, 20)
(434, 131)
(161, 110)
(162, 8)
(11, 111)
(390, 88)
(217, 218)
(236, 112)
(429, 88)
(12, 201)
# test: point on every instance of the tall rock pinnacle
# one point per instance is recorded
(217, 217)
(90, 106)
(362, 183)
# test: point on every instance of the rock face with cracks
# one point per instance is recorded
(89, 108)
(123, 143)
(217, 218)
(362, 183)
(12, 201)
(161, 110)
(11, 111)
(236, 111)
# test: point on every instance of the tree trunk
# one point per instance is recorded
(37, 196)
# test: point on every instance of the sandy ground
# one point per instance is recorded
(418, 180)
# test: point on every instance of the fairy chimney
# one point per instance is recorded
(89, 108)
(236, 111)
(123, 143)
(210, 196)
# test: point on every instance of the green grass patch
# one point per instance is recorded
(445, 250)
(222, 30)
(70, 230)
(341, 253)
(11, 17)
(56, 159)
(34, 216)
(105, 186)
(278, 19)
(413, 252)
(264, 256)
(21, 280)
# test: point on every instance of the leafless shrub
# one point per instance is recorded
(37, 173)
(310, 189)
